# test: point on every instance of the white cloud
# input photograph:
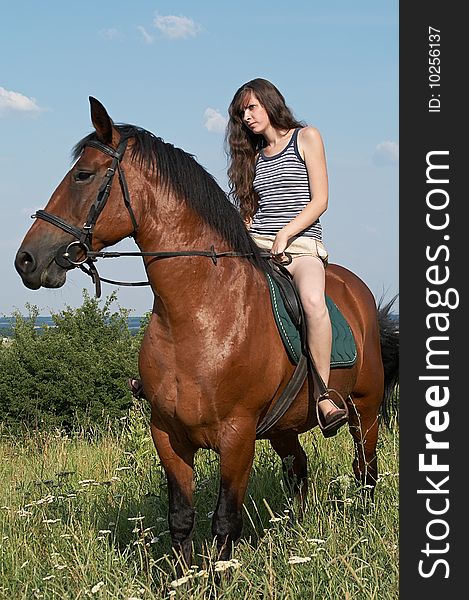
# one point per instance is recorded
(147, 38)
(110, 34)
(386, 153)
(214, 121)
(176, 27)
(15, 102)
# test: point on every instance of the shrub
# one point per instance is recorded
(72, 373)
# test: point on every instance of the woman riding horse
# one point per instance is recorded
(211, 333)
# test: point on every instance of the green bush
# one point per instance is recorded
(71, 374)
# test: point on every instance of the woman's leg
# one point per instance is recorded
(309, 277)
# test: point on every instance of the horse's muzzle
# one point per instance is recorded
(36, 273)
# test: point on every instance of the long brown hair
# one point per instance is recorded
(242, 144)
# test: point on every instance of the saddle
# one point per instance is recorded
(290, 296)
(292, 328)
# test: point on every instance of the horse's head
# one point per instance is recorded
(89, 210)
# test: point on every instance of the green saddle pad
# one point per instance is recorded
(344, 350)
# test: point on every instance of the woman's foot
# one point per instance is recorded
(329, 410)
(330, 416)
(136, 387)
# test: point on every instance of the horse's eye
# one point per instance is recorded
(83, 176)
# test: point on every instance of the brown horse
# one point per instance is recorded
(212, 362)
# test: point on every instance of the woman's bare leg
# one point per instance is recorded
(310, 280)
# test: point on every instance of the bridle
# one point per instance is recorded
(66, 255)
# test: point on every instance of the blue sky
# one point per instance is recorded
(172, 68)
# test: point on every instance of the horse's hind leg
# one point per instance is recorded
(236, 457)
(294, 465)
(178, 463)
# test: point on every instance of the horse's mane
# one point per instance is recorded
(181, 172)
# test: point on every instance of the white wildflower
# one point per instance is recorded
(222, 565)
(47, 500)
(48, 577)
(296, 560)
(202, 573)
(95, 589)
(51, 521)
(181, 581)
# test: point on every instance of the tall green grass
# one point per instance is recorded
(84, 516)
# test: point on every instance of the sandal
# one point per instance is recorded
(136, 387)
(335, 418)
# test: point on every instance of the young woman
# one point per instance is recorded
(278, 176)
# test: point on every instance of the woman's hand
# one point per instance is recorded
(280, 243)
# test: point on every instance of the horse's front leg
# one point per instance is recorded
(178, 462)
(236, 457)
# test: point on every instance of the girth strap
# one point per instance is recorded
(286, 398)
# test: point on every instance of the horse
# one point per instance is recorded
(212, 363)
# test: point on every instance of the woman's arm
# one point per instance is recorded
(311, 148)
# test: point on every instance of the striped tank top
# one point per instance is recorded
(282, 183)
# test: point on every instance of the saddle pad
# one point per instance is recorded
(344, 350)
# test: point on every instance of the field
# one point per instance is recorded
(84, 516)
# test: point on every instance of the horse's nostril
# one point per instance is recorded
(25, 262)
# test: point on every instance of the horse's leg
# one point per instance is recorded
(178, 463)
(294, 465)
(363, 422)
(236, 457)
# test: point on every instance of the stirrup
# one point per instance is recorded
(331, 423)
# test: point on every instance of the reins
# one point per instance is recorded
(93, 256)
(66, 255)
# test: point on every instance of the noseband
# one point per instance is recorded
(66, 255)
(84, 236)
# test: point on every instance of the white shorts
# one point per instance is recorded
(299, 246)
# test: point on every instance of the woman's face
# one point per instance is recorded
(254, 114)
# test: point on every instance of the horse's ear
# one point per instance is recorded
(102, 122)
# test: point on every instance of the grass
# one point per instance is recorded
(84, 516)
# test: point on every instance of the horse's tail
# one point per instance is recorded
(389, 336)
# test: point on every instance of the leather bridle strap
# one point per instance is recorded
(84, 235)
(105, 189)
(58, 222)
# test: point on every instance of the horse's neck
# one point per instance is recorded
(184, 282)
(175, 228)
